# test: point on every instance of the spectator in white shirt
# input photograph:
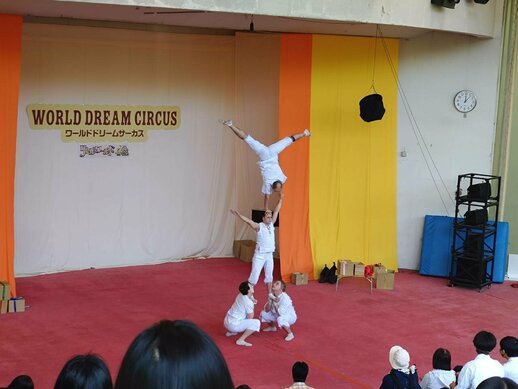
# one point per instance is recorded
(240, 316)
(279, 309)
(299, 371)
(483, 366)
(442, 375)
(509, 350)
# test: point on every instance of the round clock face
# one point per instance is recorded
(465, 101)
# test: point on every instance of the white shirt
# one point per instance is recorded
(477, 370)
(285, 305)
(265, 238)
(511, 369)
(242, 306)
(438, 379)
(271, 172)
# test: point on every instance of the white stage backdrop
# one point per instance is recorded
(170, 197)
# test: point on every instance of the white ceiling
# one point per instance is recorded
(62, 12)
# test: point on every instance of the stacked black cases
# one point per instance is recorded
(474, 230)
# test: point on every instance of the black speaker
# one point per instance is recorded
(371, 108)
(474, 246)
(479, 192)
(446, 3)
(476, 217)
(257, 216)
(471, 271)
(481, 1)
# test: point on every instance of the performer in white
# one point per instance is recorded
(240, 316)
(279, 310)
(265, 246)
(273, 177)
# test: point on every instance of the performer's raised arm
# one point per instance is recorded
(277, 208)
(251, 223)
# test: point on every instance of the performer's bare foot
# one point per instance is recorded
(240, 342)
(289, 337)
(230, 333)
(270, 329)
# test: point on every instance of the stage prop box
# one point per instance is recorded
(244, 250)
(16, 305)
(384, 277)
(298, 278)
(345, 268)
(5, 290)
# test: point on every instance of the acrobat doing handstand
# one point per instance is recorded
(273, 177)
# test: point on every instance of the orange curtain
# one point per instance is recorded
(10, 50)
(294, 108)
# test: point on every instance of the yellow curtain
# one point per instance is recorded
(352, 163)
(10, 49)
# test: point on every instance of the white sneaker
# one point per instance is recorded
(289, 337)
(243, 343)
(230, 333)
(307, 132)
(270, 329)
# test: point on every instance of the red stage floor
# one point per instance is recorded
(344, 336)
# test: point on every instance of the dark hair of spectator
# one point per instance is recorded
(21, 382)
(299, 371)
(84, 372)
(484, 342)
(497, 383)
(441, 359)
(509, 344)
(173, 355)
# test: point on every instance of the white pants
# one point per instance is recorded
(239, 326)
(282, 320)
(267, 152)
(259, 261)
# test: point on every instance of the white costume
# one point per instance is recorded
(511, 369)
(438, 379)
(269, 161)
(283, 312)
(236, 320)
(477, 370)
(263, 256)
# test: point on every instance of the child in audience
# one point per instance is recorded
(509, 350)
(402, 375)
(483, 366)
(442, 375)
(84, 371)
(21, 382)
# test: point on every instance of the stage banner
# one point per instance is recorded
(10, 53)
(352, 185)
(294, 110)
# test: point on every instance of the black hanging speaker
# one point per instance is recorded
(371, 107)
(257, 216)
(476, 217)
(479, 192)
(446, 3)
(481, 1)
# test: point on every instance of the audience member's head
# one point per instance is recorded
(244, 386)
(497, 383)
(173, 355)
(84, 371)
(441, 359)
(509, 347)
(21, 382)
(244, 287)
(484, 342)
(399, 358)
(300, 371)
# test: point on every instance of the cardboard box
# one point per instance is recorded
(385, 280)
(345, 268)
(16, 304)
(246, 251)
(4, 304)
(298, 278)
(359, 269)
(5, 290)
(236, 248)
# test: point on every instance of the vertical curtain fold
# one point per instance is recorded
(10, 50)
